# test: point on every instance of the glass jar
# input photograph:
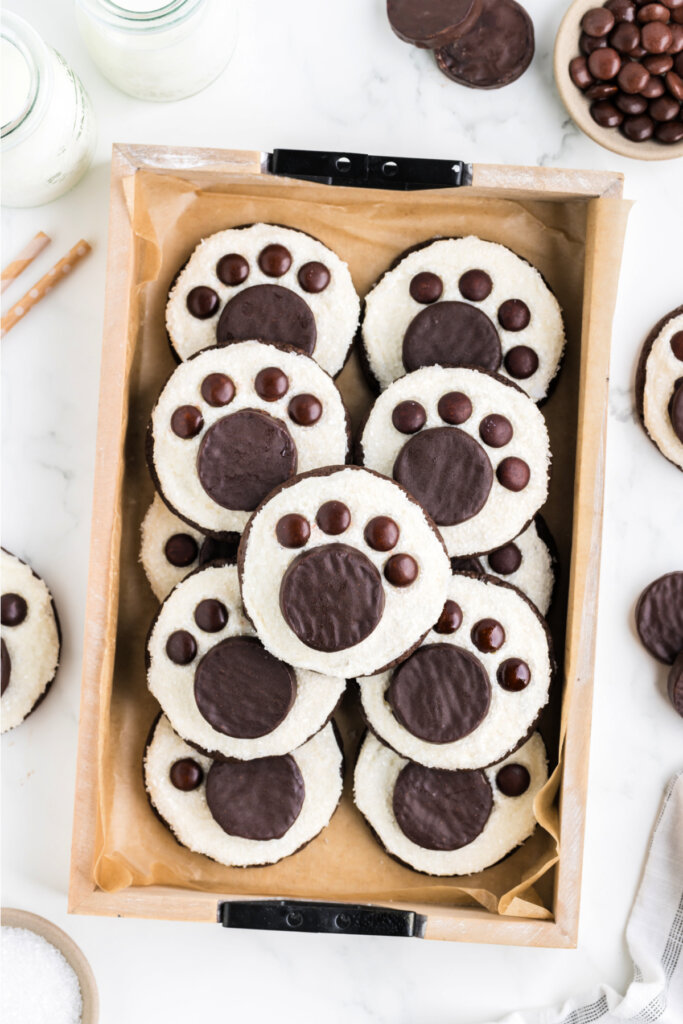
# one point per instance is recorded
(48, 127)
(159, 50)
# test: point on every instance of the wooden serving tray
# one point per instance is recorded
(570, 224)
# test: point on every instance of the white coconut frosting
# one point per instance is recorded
(173, 685)
(336, 309)
(174, 458)
(512, 819)
(535, 576)
(662, 370)
(32, 645)
(510, 715)
(390, 308)
(409, 611)
(505, 512)
(188, 816)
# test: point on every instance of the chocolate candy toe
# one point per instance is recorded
(242, 690)
(202, 302)
(186, 774)
(259, 799)
(513, 780)
(451, 334)
(271, 312)
(426, 287)
(332, 597)
(659, 617)
(450, 619)
(441, 810)
(243, 456)
(181, 550)
(14, 609)
(440, 694)
(232, 269)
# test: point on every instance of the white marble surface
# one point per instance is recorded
(316, 75)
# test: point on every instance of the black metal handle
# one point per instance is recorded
(304, 916)
(362, 170)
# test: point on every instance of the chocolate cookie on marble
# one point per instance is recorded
(528, 562)
(434, 24)
(474, 688)
(31, 640)
(342, 572)
(659, 617)
(464, 302)
(496, 50)
(170, 549)
(269, 282)
(659, 386)
(243, 813)
(221, 690)
(233, 423)
(442, 822)
(469, 445)
(675, 684)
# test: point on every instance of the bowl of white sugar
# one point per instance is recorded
(44, 976)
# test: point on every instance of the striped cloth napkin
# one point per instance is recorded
(654, 936)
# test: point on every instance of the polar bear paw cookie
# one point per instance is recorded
(474, 688)
(170, 549)
(471, 447)
(659, 386)
(342, 572)
(221, 690)
(464, 302)
(31, 640)
(268, 282)
(233, 423)
(449, 822)
(243, 813)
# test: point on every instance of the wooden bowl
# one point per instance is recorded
(68, 948)
(566, 48)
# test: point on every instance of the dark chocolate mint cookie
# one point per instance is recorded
(342, 572)
(675, 684)
(443, 822)
(220, 688)
(474, 688)
(495, 52)
(470, 446)
(659, 617)
(659, 386)
(243, 813)
(31, 640)
(233, 423)
(267, 282)
(464, 302)
(432, 24)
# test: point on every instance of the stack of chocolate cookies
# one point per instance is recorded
(422, 571)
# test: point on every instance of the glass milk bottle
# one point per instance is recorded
(48, 127)
(159, 49)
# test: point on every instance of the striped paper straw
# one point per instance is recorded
(27, 255)
(42, 287)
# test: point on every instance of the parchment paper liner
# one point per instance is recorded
(368, 229)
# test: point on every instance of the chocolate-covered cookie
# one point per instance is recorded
(243, 813)
(528, 562)
(342, 572)
(220, 688)
(675, 684)
(31, 640)
(170, 549)
(441, 822)
(267, 282)
(474, 688)
(496, 50)
(659, 386)
(476, 457)
(233, 423)
(464, 302)
(659, 617)
(433, 24)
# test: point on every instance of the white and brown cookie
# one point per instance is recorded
(659, 386)
(469, 445)
(342, 572)
(170, 549)
(31, 640)
(528, 562)
(264, 281)
(474, 688)
(449, 822)
(243, 813)
(464, 302)
(221, 690)
(233, 423)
